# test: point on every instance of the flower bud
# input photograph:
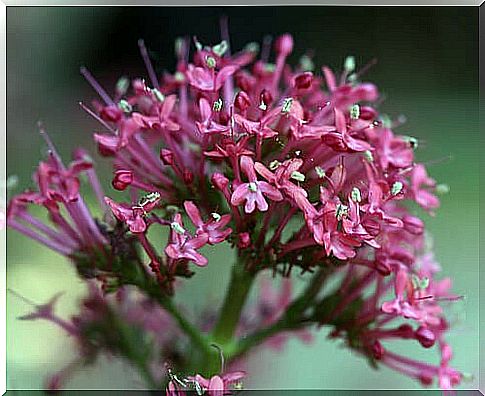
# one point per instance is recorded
(242, 101)
(425, 379)
(284, 44)
(188, 176)
(244, 240)
(425, 336)
(220, 181)
(413, 224)
(265, 97)
(111, 113)
(383, 267)
(166, 156)
(377, 350)
(123, 178)
(303, 80)
(406, 331)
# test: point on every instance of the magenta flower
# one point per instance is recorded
(420, 186)
(325, 184)
(207, 125)
(219, 385)
(183, 246)
(253, 192)
(207, 79)
(214, 228)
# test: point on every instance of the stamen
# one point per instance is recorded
(92, 81)
(252, 47)
(349, 64)
(210, 62)
(217, 106)
(216, 216)
(298, 176)
(148, 64)
(96, 117)
(306, 63)
(341, 211)
(253, 187)
(442, 189)
(221, 48)
(286, 107)
(50, 145)
(396, 188)
(274, 165)
(356, 195)
(177, 228)
(158, 95)
(122, 86)
(125, 106)
(320, 172)
(355, 112)
(368, 156)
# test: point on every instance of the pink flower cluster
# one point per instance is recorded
(294, 167)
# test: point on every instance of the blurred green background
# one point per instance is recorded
(427, 70)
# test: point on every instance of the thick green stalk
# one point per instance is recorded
(236, 296)
(228, 320)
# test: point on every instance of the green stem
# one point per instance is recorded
(229, 316)
(236, 295)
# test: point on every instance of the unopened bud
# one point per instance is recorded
(166, 156)
(242, 101)
(122, 179)
(425, 336)
(377, 350)
(188, 176)
(284, 44)
(244, 240)
(303, 80)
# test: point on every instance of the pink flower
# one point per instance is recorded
(218, 385)
(207, 125)
(212, 228)
(134, 215)
(160, 121)
(420, 185)
(183, 246)
(206, 80)
(253, 191)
